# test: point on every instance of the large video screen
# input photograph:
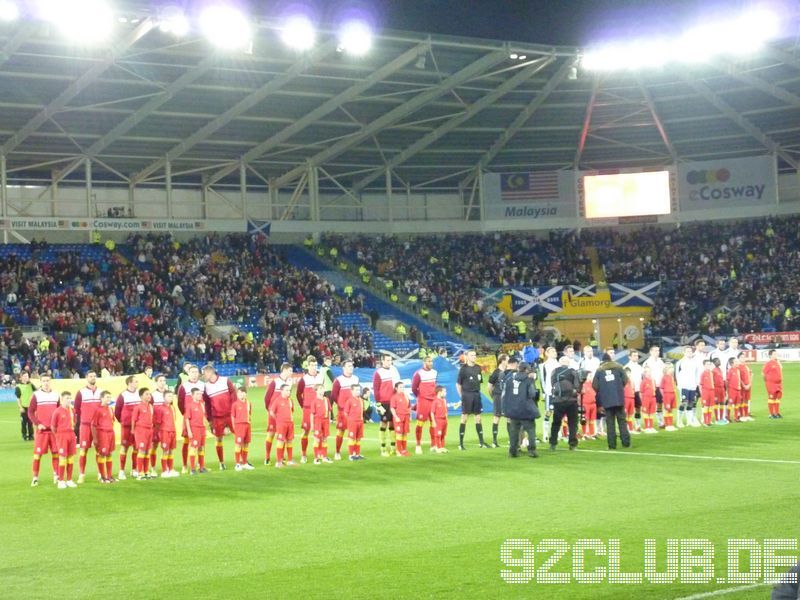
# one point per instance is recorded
(627, 194)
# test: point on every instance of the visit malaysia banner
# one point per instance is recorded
(532, 195)
(730, 182)
(77, 224)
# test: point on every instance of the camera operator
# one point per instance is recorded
(564, 398)
(519, 406)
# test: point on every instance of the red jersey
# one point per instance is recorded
(734, 381)
(123, 409)
(142, 417)
(43, 405)
(219, 395)
(439, 409)
(306, 394)
(647, 389)
(87, 401)
(588, 395)
(423, 384)
(354, 409)
(322, 409)
(630, 395)
(668, 387)
(342, 392)
(164, 418)
(241, 411)
(707, 383)
(185, 393)
(283, 408)
(745, 374)
(194, 415)
(273, 389)
(400, 404)
(773, 372)
(383, 384)
(103, 418)
(63, 420)
(719, 379)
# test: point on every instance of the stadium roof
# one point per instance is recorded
(431, 109)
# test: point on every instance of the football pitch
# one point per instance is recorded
(429, 526)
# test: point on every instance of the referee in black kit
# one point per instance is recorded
(468, 386)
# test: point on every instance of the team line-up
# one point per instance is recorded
(148, 418)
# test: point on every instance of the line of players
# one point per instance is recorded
(148, 419)
(717, 384)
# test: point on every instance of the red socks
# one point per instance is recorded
(419, 434)
(303, 445)
(192, 462)
(269, 449)
(36, 463)
(289, 453)
(279, 455)
(123, 458)
(244, 456)
(61, 469)
(82, 463)
(101, 468)
(220, 452)
(201, 459)
(185, 453)
(339, 440)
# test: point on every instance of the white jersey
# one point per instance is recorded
(686, 374)
(158, 398)
(548, 367)
(590, 365)
(636, 374)
(656, 369)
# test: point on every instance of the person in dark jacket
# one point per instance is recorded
(519, 406)
(564, 398)
(609, 383)
(787, 588)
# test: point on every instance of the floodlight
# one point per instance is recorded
(173, 20)
(355, 38)
(9, 11)
(83, 21)
(225, 26)
(298, 33)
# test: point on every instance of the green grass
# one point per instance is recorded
(427, 526)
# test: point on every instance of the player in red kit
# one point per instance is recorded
(647, 393)
(354, 411)
(184, 397)
(423, 386)
(340, 396)
(708, 393)
(273, 391)
(195, 419)
(772, 372)
(123, 410)
(383, 387)
(321, 425)
(306, 395)
(439, 418)
(241, 415)
(63, 427)
(142, 425)
(104, 439)
(159, 399)
(40, 411)
(668, 397)
(87, 401)
(734, 383)
(283, 411)
(589, 403)
(401, 416)
(630, 404)
(746, 376)
(719, 393)
(219, 395)
(166, 418)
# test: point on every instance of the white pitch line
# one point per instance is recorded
(723, 592)
(695, 456)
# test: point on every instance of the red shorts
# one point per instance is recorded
(143, 439)
(590, 411)
(649, 405)
(156, 436)
(241, 433)
(774, 392)
(341, 420)
(272, 425)
(126, 437)
(105, 443)
(166, 439)
(719, 396)
(305, 425)
(355, 429)
(322, 428)
(402, 424)
(734, 396)
(746, 394)
(44, 442)
(630, 406)
(441, 431)
(708, 398)
(66, 443)
(424, 407)
(669, 403)
(218, 425)
(198, 441)
(284, 431)
(85, 436)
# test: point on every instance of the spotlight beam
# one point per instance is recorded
(77, 87)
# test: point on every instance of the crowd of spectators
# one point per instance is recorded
(447, 272)
(720, 278)
(156, 303)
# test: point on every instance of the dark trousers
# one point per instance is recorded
(560, 410)
(615, 416)
(526, 425)
(26, 425)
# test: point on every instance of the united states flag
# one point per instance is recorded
(539, 186)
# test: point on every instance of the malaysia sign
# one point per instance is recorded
(531, 195)
(730, 182)
(78, 224)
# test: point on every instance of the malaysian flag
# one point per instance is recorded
(540, 186)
